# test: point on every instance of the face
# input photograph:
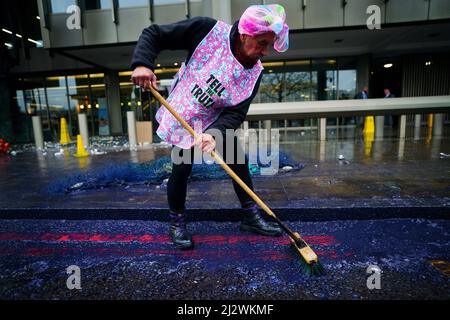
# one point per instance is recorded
(386, 91)
(258, 46)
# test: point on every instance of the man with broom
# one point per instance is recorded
(213, 90)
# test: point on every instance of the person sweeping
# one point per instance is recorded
(212, 90)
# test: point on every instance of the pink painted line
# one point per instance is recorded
(322, 240)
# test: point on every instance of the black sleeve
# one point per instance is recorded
(232, 118)
(182, 35)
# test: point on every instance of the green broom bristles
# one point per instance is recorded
(314, 269)
(310, 269)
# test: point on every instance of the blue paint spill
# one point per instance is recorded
(148, 173)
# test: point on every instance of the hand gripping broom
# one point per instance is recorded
(310, 261)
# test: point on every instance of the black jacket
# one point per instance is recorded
(186, 35)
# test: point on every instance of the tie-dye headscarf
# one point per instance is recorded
(260, 19)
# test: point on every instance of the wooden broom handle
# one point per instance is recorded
(215, 155)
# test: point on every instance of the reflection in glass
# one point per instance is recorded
(58, 106)
(54, 97)
(145, 105)
(298, 86)
(308, 80)
(285, 87)
(78, 96)
(325, 70)
(36, 104)
(331, 87)
(272, 87)
(347, 84)
(128, 101)
(20, 101)
(98, 102)
(314, 93)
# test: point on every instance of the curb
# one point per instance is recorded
(224, 215)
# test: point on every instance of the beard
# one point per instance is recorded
(248, 61)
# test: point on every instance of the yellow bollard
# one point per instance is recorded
(81, 150)
(369, 125)
(65, 137)
(430, 120)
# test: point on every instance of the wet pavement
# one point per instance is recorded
(385, 203)
(135, 260)
(388, 173)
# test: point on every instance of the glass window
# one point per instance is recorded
(272, 87)
(298, 86)
(36, 103)
(22, 125)
(55, 97)
(331, 86)
(20, 102)
(97, 4)
(58, 105)
(78, 97)
(133, 3)
(326, 73)
(87, 95)
(129, 97)
(60, 6)
(34, 96)
(286, 82)
(347, 84)
(98, 106)
(143, 103)
(314, 93)
(307, 80)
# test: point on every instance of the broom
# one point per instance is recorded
(310, 261)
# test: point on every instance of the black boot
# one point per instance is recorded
(181, 238)
(254, 222)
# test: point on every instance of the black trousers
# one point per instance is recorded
(178, 180)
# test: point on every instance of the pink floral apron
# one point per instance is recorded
(211, 81)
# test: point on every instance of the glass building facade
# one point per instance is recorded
(307, 80)
(56, 96)
(85, 70)
(59, 96)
